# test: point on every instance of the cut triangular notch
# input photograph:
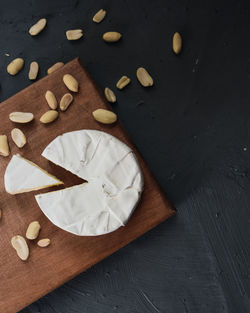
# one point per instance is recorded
(22, 175)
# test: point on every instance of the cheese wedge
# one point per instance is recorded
(22, 175)
(113, 189)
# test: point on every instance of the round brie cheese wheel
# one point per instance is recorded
(113, 189)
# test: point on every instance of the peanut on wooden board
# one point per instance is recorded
(15, 66)
(66, 101)
(20, 245)
(55, 67)
(51, 99)
(4, 146)
(34, 68)
(111, 36)
(45, 242)
(70, 82)
(18, 137)
(99, 16)
(0, 214)
(38, 27)
(49, 117)
(21, 117)
(109, 94)
(32, 231)
(123, 82)
(177, 43)
(104, 116)
(74, 34)
(144, 78)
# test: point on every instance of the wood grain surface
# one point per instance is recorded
(24, 282)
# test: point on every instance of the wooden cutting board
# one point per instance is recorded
(21, 283)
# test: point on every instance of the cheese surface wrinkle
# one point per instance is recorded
(113, 188)
(22, 175)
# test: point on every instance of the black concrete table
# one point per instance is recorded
(193, 129)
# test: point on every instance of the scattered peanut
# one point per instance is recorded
(4, 146)
(51, 99)
(21, 117)
(18, 137)
(49, 117)
(21, 247)
(99, 16)
(15, 66)
(110, 96)
(55, 67)
(74, 34)
(144, 78)
(111, 36)
(33, 230)
(104, 116)
(70, 82)
(123, 82)
(177, 43)
(34, 68)
(38, 27)
(66, 101)
(43, 242)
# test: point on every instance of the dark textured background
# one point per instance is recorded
(192, 128)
